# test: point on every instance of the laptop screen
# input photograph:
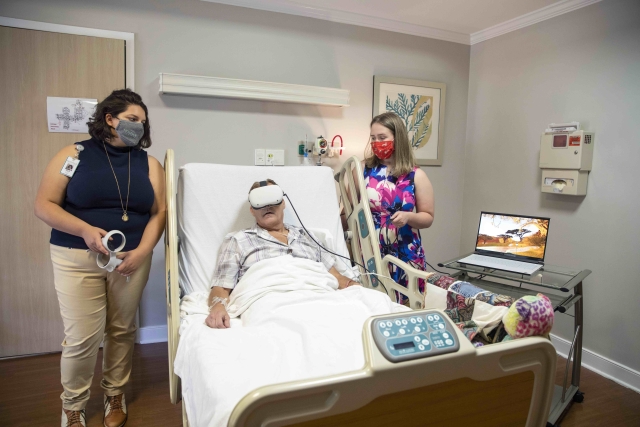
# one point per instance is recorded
(512, 236)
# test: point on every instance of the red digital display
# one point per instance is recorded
(559, 141)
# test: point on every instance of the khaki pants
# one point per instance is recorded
(96, 306)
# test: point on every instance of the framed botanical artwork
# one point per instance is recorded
(420, 104)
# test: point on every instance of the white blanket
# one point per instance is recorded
(296, 325)
(194, 308)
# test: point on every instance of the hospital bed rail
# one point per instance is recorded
(363, 238)
(171, 273)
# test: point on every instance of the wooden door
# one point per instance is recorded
(34, 65)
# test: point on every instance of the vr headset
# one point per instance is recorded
(265, 195)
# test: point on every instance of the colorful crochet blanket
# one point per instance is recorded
(477, 312)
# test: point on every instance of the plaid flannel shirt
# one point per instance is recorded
(241, 250)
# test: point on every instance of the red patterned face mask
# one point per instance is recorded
(382, 149)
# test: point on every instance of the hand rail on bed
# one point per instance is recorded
(365, 246)
(364, 241)
(412, 291)
(171, 272)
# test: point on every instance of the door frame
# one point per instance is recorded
(129, 60)
(128, 38)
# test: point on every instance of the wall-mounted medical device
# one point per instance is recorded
(321, 148)
(566, 155)
(337, 149)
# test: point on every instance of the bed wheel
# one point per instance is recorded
(578, 397)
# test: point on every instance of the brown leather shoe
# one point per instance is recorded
(115, 411)
(73, 418)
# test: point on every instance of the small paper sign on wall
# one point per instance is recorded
(69, 115)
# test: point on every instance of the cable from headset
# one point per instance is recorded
(348, 259)
(386, 183)
(316, 242)
(331, 252)
(434, 269)
(397, 254)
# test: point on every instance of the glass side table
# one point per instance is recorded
(563, 286)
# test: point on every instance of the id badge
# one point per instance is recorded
(69, 167)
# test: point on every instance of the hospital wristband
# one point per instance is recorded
(216, 300)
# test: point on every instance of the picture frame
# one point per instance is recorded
(421, 105)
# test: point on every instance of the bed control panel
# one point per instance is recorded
(410, 335)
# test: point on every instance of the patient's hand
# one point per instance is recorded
(348, 284)
(343, 282)
(218, 318)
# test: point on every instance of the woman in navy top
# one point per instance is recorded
(88, 189)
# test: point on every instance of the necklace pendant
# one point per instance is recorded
(125, 217)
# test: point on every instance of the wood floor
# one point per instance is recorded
(30, 391)
(30, 394)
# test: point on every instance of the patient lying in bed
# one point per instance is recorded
(268, 238)
(293, 317)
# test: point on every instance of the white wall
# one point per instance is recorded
(582, 66)
(195, 37)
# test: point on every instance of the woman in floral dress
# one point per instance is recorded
(400, 195)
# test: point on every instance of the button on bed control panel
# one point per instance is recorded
(409, 336)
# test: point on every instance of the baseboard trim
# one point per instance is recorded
(152, 334)
(607, 368)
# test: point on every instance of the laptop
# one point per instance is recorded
(512, 243)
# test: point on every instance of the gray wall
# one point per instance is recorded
(194, 37)
(582, 66)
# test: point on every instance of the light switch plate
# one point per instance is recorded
(260, 157)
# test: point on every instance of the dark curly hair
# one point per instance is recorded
(114, 104)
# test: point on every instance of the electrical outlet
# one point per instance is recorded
(259, 157)
(274, 157)
(269, 157)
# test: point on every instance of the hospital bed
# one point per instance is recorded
(439, 384)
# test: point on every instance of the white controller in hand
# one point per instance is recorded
(113, 261)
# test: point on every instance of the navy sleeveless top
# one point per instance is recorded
(92, 194)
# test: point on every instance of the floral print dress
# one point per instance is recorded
(388, 195)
